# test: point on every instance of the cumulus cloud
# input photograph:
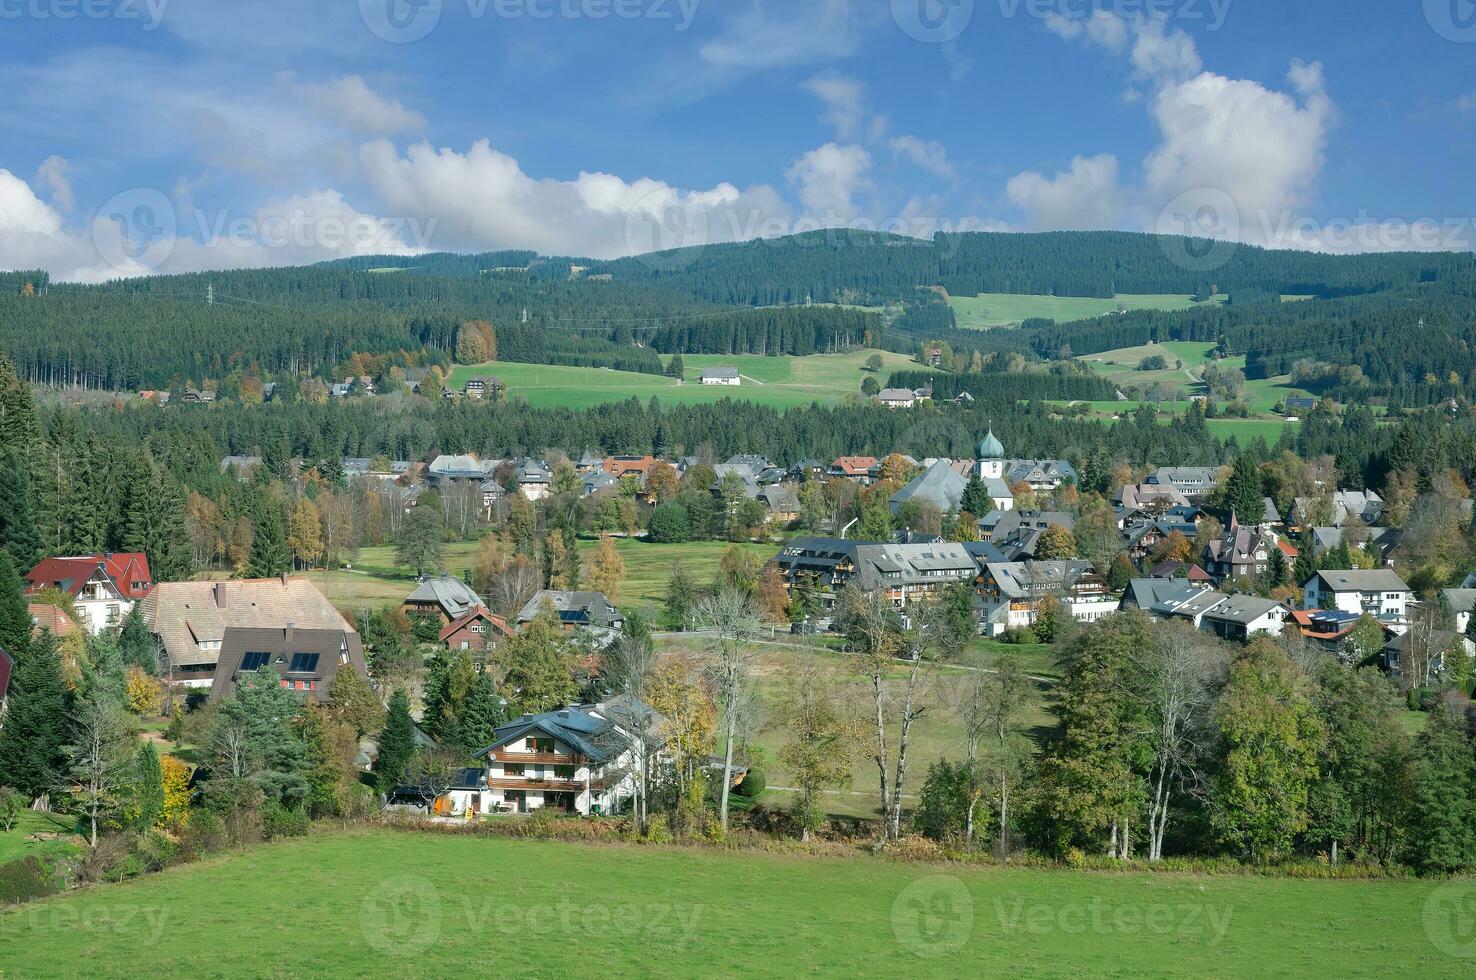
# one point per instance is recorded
(482, 199)
(828, 179)
(54, 175)
(1086, 196)
(1258, 148)
(843, 96)
(354, 105)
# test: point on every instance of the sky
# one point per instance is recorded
(149, 136)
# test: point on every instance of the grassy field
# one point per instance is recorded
(988, 310)
(387, 904)
(780, 382)
(16, 843)
(375, 580)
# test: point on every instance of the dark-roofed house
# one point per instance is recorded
(1187, 571)
(1462, 603)
(191, 619)
(103, 587)
(1012, 593)
(897, 397)
(1240, 617)
(1379, 592)
(1040, 475)
(1194, 482)
(819, 568)
(576, 610)
(445, 597)
(580, 759)
(483, 386)
(306, 660)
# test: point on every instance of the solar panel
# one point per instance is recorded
(303, 663)
(255, 661)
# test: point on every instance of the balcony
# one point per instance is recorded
(544, 785)
(550, 758)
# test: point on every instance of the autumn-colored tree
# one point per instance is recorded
(606, 569)
(476, 342)
(1175, 547)
(738, 569)
(176, 793)
(143, 694)
(305, 532)
(556, 562)
(1055, 543)
(773, 595)
(662, 482)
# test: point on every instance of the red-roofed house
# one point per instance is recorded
(53, 618)
(478, 629)
(104, 588)
(853, 467)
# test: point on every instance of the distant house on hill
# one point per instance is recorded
(721, 376)
(897, 397)
(481, 387)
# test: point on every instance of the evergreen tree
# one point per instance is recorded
(33, 742)
(976, 499)
(156, 524)
(476, 727)
(1443, 821)
(270, 555)
(147, 790)
(1121, 573)
(18, 534)
(681, 598)
(136, 645)
(449, 680)
(1245, 493)
(15, 616)
(396, 743)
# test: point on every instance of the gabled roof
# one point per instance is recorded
(578, 608)
(1243, 609)
(457, 625)
(938, 485)
(854, 465)
(453, 595)
(576, 726)
(127, 571)
(1362, 580)
(185, 614)
(53, 618)
(725, 373)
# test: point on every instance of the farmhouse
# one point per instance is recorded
(1194, 482)
(103, 587)
(481, 386)
(446, 597)
(306, 660)
(897, 397)
(477, 630)
(721, 376)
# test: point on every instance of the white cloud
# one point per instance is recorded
(53, 173)
(797, 32)
(844, 102)
(358, 108)
(1260, 148)
(1086, 196)
(828, 179)
(482, 199)
(929, 155)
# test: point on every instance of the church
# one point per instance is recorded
(989, 467)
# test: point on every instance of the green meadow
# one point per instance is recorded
(989, 310)
(374, 904)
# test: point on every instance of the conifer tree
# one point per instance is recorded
(396, 743)
(33, 741)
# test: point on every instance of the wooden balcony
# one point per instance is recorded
(544, 785)
(550, 758)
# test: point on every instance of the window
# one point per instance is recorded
(303, 663)
(512, 769)
(541, 745)
(255, 661)
(563, 772)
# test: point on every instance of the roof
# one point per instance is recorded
(854, 465)
(1461, 600)
(457, 625)
(576, 726)
(128, 571)
(1180, 570)
(896, 395)
(454, 596)
(1243, 609)
(1034, 471)
(53, 618)
(938, 485)
(462, 466)
(1362, 580)
(309, 657)
(575, 608)
(990, 447)
(185, 614)
(726, 373)
(1027, 579)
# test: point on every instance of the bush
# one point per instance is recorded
(27, 879)
(278, 821)
(204, 833)
(752, 786)
(670, 524)
(12, 802)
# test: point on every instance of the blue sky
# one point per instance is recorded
(152, 135)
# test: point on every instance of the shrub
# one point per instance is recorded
(204, 833)
(12, 802)
(752, 785)
(27, 879)
(278, 821)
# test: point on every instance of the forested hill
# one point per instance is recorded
(843, 266)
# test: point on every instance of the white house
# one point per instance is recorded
(897, 397)
(1379, 592)
(1240, 617)
(721, 376)
(581, 759)
(104, 588)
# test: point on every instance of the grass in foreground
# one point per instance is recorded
(58, 833)
(384, 904)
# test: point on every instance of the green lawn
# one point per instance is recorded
(989, 310)
(375, 580)
(399, 904)
(780, 382)
(15, 844)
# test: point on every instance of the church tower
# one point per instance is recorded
(991, 458)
